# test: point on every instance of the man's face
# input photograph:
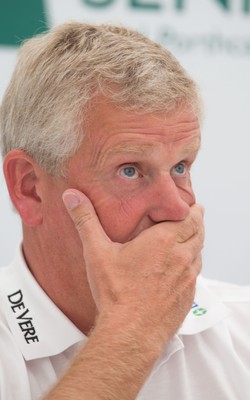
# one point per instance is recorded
(136, 168)
(136, 171)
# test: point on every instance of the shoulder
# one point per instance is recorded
(228, 292)
(14, 383)
(237, 299)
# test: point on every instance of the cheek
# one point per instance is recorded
(119, 217)
(58, 221)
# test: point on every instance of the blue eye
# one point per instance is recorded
(180, 169)
(129, 172)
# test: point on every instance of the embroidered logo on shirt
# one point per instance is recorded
(23, 317)
(197, 310)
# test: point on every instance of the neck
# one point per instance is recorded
(63, 280)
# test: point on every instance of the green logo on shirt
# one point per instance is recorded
(198, 312)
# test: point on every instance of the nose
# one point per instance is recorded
(169, 202)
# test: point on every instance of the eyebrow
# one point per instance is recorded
(193, 147)
(123, 148)
(147, 149)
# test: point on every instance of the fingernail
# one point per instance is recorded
(71, 200)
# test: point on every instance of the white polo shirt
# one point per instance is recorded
(208, 359)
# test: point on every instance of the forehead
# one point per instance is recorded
(105, 120)
(111, 131)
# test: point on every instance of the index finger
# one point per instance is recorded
(192, 225)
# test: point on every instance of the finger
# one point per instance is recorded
(197, 264)
(85, 219)
(192, 225)
(196, 242)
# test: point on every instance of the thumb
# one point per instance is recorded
(85, 219)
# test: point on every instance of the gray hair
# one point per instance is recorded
(60, 72)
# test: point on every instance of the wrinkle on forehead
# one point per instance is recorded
(193, 145)
(128, 147)
(133, 131)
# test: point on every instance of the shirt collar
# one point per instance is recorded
(42, 330)
(207, 310)
(39, 327)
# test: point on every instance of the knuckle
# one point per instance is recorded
(187, 258)
(198, 263)
(188, 229)
(81, 219)
(190, 266)
(194, 226)
(190, 279)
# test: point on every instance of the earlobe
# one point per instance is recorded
(22, 178)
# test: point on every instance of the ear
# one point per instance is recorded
(22, 178)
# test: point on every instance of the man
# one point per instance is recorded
(99, 129)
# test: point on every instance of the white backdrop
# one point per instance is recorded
(212, 40)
